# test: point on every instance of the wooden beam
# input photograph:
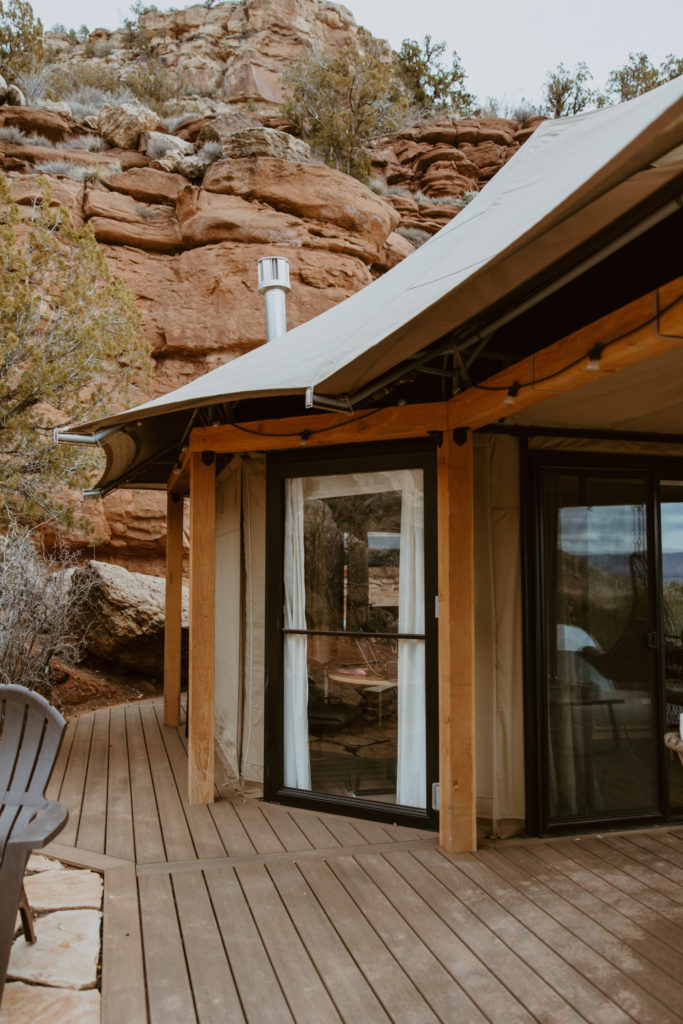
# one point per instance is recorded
(179, 480)
(200, 703)
(173, 628)
(632, 334)
(320, 429)
(455, 526)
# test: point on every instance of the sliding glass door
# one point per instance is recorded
(354, 654)
(609, 603)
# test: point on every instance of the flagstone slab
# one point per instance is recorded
(38, 862)
(64, 890)
(31, 1004)
(66, 953)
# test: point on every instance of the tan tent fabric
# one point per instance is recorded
(498, 657)
(228, 686)
(254, 519)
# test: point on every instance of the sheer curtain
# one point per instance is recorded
(412, 750)
(411, 768)
(297, 768)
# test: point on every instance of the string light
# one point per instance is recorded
(513, 391)
(594, 357)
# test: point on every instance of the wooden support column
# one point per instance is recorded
(457, 792)
(200, 704)
(174, 609)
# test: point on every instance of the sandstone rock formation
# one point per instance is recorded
(185, 233)
(234, 51)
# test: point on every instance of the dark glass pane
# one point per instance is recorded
(672, 607)
(352, 545)
(600, 672)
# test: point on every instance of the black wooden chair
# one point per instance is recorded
(31, 734)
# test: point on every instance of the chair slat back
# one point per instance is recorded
(32, 732)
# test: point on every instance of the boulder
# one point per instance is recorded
(159, 144)
(125, 618)
(15, 97)
(119, 220)
(148, 185)
(220, 128)
(266, 142)
(123, 125)
(52, 125)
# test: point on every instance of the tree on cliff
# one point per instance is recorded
(639, 75)
(69, 337)
(567, 92)
(432, 85)
(338, 103)
(21, 39)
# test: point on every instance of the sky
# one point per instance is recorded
(506, 46)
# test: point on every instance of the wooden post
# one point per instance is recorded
(174, 609)
(202, 627)
(457, 792)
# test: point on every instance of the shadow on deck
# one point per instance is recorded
(244, 911)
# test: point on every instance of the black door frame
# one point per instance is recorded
(533, 463)
(414, 454)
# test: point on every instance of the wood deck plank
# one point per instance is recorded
(652, 857)
(341, 829)
(588, 948)
(507, 964)
(558, 866)
(306, 995)
(285, 827)
(626, 873)
(174, 828)
(481, 984)
(259, 990)
(92, 825)
(215, 995)
(373, 832)
(397, 993)
(149, 843)
(168, 985)
(123, 974)
(441, 992)
(205, 837)
(120, 841)
(73, 785)
(232, 833)
(57, 776)
(257, 827)
(348, 988)
(317, 832)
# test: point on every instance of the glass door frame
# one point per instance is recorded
(328, 461)
(535, 463)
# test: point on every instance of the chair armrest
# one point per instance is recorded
(48, 822)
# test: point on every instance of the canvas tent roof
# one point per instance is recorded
(565, 188)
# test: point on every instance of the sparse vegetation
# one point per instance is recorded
(21, 39)
(89, 143)
(567, 92)
(79, 172)
(415, 236)
(41, 606)
(431, 84)
(639, 75)
(67, 331)
(338, 103)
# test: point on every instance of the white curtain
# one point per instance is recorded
(411, 768)
(297, 768)
(412, 751)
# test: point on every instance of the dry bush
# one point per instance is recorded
(41, 606)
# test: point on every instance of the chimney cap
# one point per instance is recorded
(273, 272)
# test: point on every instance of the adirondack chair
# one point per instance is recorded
(31, 735)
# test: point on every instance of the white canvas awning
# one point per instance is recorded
(566, 186)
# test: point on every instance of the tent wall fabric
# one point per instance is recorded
(499, 699)
(240, 620)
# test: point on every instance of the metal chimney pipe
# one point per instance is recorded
(273, 282)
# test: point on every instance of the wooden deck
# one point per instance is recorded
(244, 911)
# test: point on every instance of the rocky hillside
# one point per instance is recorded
(183, 210)
(232, 52)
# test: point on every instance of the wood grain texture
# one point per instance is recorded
(201, 700)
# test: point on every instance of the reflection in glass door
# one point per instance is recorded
(671, 512)
(602, 750)
(354, 722)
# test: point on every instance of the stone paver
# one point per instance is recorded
(31, 1004)
(64, 890)
(37, 862)
(66, 953)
